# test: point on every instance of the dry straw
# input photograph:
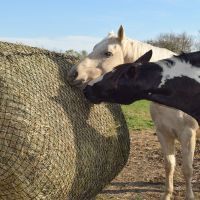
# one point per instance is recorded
(53, 143)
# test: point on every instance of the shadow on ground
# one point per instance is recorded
(143, 177)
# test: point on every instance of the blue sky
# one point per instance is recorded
(66, 24)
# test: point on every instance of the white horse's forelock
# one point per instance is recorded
(111, 34)
(105, 40)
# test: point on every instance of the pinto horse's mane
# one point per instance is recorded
(192, 58)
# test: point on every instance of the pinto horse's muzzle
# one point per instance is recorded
(91, 95)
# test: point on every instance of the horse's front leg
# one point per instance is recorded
(188, 142)
(168, 147)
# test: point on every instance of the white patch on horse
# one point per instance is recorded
(91, 83)
(178, 69)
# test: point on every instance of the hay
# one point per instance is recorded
(53, 144)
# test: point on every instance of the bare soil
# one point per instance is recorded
(143, 177)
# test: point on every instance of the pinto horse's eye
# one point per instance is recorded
(108, 54)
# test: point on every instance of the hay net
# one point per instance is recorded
(53, 144)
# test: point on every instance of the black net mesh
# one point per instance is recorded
(53, 144)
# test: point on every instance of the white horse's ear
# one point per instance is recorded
(121, 33)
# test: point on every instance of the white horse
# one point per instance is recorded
(170, 124)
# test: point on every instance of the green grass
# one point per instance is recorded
(138, 197)
(137, 116)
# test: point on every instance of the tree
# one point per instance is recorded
(197, 42)
(72, 52)
(80, 55)
(174, 42)
(83, 53)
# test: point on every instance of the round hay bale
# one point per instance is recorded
(53, 143)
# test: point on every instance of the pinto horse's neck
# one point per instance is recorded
(134, 49)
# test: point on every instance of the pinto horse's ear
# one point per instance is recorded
(145, 58)
(121, 33)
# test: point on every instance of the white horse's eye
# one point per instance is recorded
(108, 54)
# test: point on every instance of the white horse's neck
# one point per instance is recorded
(133, 49)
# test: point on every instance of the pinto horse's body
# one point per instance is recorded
(170, 123)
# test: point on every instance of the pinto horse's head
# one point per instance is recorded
(105, 56)
(115, 86)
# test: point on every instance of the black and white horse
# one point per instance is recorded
(173, 82)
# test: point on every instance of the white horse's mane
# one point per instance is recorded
(135, 48)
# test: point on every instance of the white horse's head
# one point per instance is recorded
(105, 56)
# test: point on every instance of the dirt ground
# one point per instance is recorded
(143, 177)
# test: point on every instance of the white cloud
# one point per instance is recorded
(58, 43)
